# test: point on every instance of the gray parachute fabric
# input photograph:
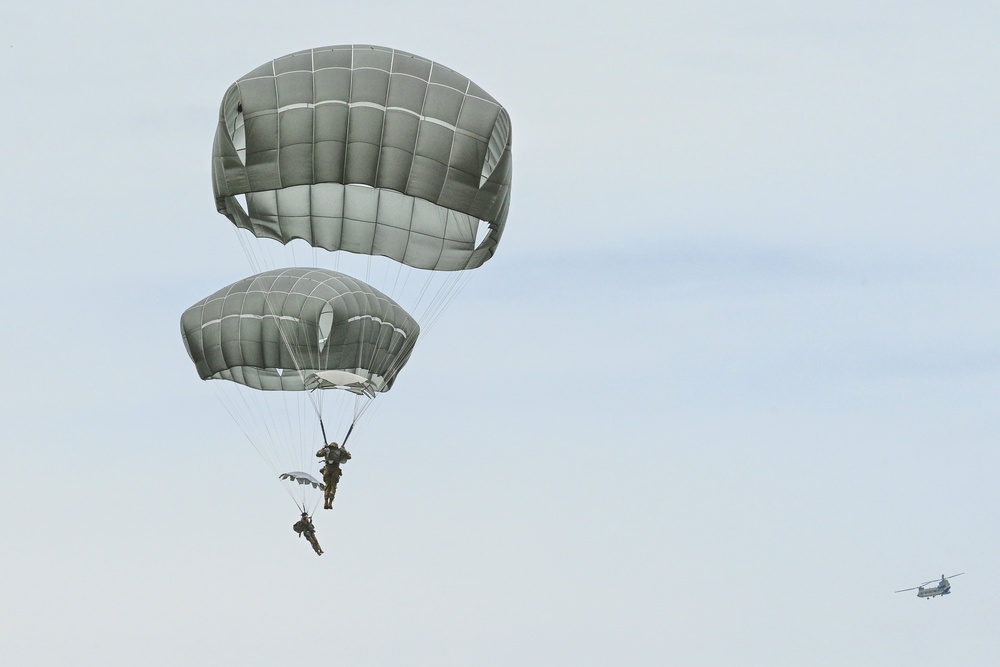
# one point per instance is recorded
(300, 329)
(303, 479)
(369, 150)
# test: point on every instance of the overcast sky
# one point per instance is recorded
(730, 380)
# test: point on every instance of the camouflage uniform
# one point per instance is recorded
(333, 455)
(304, 526)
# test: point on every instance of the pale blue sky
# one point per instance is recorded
(730, 380)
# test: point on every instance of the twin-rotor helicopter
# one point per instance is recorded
(943, 587)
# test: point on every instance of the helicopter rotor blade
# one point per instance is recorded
(908, 589)
(951, 576)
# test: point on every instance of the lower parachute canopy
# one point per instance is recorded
(300, 329)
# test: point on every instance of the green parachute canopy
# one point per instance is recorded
(300, 329)
(366, 149)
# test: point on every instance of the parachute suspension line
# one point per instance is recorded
(269, 420)
(323, 431)
(256, 405)
(433, 294)
(293, 446)
(258, 254)
(282, 449)
(241, 424)
(367, 407)
(395, 359)
(363, 403)
(310, 252)
(422, 292)
(277, 462)
(244, 243)
(454, 286)
(405, 274)
(439, 296)
(348, 433)
(400, 358)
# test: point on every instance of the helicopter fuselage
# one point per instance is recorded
(934, 590)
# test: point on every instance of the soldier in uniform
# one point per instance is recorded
(304, 526)
(333, 455)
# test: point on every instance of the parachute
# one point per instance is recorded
(369, 150)
(302, 478)
(368, 160)
(298, 331)
(328, 329)
(388, 173)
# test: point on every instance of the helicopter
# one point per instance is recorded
(943, 587)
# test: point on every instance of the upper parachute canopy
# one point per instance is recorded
(298, 329)
(369, 150)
